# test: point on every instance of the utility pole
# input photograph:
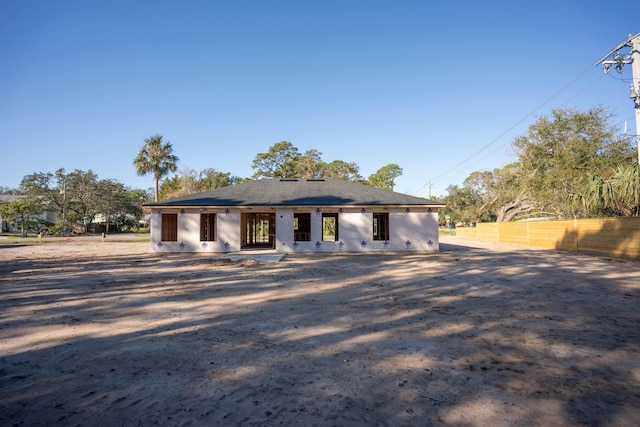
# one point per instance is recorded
(64, 206)
(635, 85)
(429, 184)
(616, 59)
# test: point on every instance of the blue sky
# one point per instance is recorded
(424, 84)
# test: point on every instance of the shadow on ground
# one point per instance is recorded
(468, 336)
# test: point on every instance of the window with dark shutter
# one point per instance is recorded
(169, 227)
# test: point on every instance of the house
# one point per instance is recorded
(13, 223)
(295, 215)
(7, 223)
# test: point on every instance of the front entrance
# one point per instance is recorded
(258, 230)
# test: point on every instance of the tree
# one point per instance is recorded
(80, 194)
(22, 209)
(385, 177)
(503, 192)
(7, 190)
(559, 154)
(171, 187)
(347, 171)
(156, 157)
(188, 181)
(309, 165)
(618, 195)
(570, 164)
(136, 198)
(465, 204)
(510, 197)
(283, 160)
(625, 187)
(279, 162)
(114, 201)
(48, 189)
(498, 195)
(210, 179)
(44, 186)
(182, 184)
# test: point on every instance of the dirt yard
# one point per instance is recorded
(106, 334)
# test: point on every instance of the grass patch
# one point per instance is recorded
(446, 231)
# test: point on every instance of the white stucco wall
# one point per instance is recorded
(416, 229)
(284, 230)
(155, 229)
(355, 229)
(413, 230)
(409, 230)
(227, 232)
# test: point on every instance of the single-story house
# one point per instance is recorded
(295, 215)
(13, 224)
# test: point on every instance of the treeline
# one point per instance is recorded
(56, 203)
(59, 202)
(281, 160)
(571, 164)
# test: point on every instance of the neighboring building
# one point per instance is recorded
(7, 224)
(12, 224)
(295, 215)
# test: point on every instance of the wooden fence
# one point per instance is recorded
(616, 237)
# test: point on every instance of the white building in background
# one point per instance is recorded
(12, 224)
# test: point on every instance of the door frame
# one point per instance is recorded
(258, 230)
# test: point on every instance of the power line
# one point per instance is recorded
(455, 170)
(459, 167)
(583, 89)
(508, 142)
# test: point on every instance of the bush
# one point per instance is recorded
(52, 230)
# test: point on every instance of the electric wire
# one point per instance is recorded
(509, 142)
(580, 92)
(458, 168)
(455, 169)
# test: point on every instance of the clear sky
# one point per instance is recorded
(424, 84)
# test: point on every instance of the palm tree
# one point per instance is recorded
(620, 194)
(626, 185)
(155, 157)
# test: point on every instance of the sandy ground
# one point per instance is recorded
(477, 335)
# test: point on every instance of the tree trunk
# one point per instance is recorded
(511, 210)
(24, 230)
(155, 182)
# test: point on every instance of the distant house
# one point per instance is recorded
(7, 224)
(295, 215)
(13, 223)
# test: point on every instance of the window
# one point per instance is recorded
(329, 227)
(381, 226)
(169, 227)
(207, 227)
(302, 227)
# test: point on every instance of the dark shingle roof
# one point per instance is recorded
(297, 192)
